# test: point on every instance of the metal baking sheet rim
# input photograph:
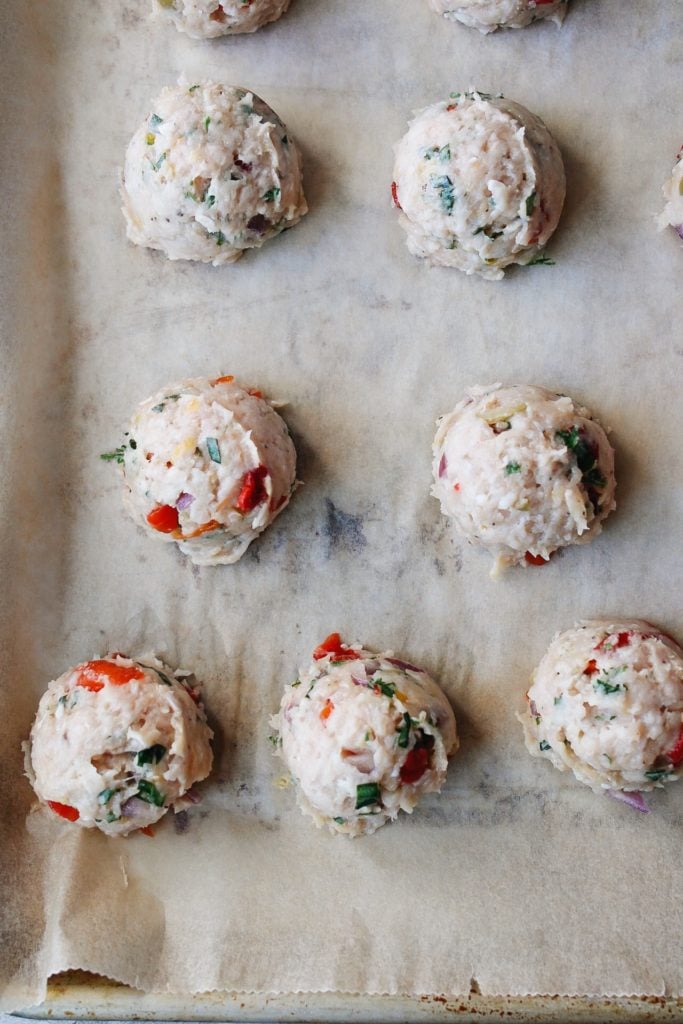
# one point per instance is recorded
(78, 994)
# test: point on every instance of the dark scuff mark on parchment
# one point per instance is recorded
(343, 530)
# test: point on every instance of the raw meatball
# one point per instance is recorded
(207, 19)
(116, 742)
(488, 15)
(364, 736)
(208, 465)
(606, 701)
(211, 172)
(480, 184)
(672, 214)
(523, 471)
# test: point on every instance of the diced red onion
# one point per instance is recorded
(192, 795)
(405, 665)
(679, 230)
(443, 465)
(184, 501)
(533, 709)
(371, 665)
(358, 681)
(134, 807)
(635, 800)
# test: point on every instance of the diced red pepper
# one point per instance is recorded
(94, 674)
(254, 392)
(218, 14)
(394, 195)
(622, 640)
(147, 831)
(253, 490)
(327, 709)
(333, 645)
(63, 810)
(222, 380)
(676, 754)
(591, 668)
(535, 559)
(456, 487)
(415, 765)
(164, 518)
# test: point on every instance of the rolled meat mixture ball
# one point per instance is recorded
(211, 172)
(208, 19)
(606, 702)
(523, 471)
(479, 183)
(489, 15)
(672, 214)
(364, 736)
(207, 465)
(116, 743)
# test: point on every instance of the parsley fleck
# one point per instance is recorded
(530, 203)
(192, 88)
(148, 792)
(271, 195)
(443, 186)
(159, 162)
(604, 686)
(297, 682)
(541, 260)
(219, 236)
(155, 120)
(339, 821)
(115, 456)
(367, 795)
(513, 467)
(150, 755)
(557, 700)
(388, 689)
(105, 796)
(207, 122)
(213, 449)
(655, 774)
(544, 745)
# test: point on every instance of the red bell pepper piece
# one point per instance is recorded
(63, 810)
(535, 559)
(94, 674)
(253, 490)
(415, 765)
(164, 518)
(333, 645)
(676, 754)
(394, 195)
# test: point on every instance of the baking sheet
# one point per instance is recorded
(515, 880)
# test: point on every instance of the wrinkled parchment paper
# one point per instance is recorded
(516, 876)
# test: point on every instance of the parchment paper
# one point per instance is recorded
(516, 878)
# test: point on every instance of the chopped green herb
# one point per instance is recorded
(442, 153)
(159, 162)
(155, 120)
(192, 88)
(150, 755)
(443, 186)
(275, 739)
(404, 732)
(388, 689)
(159, 407)
(148, 792)
(476, 93)
(210, 200)
(530, 203)
(297, 682)
(213, 449)
(115, 456)
(557, 700)
(367, 794)
(219, 236)
(537, 719)
(207, 122)
(340, 821)
(112, 817)
(62, 700)
(655, 774)
(541, 261)
(271, 195)
(604, 686)
(544, 745)
(105, 796)
(513, 467)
